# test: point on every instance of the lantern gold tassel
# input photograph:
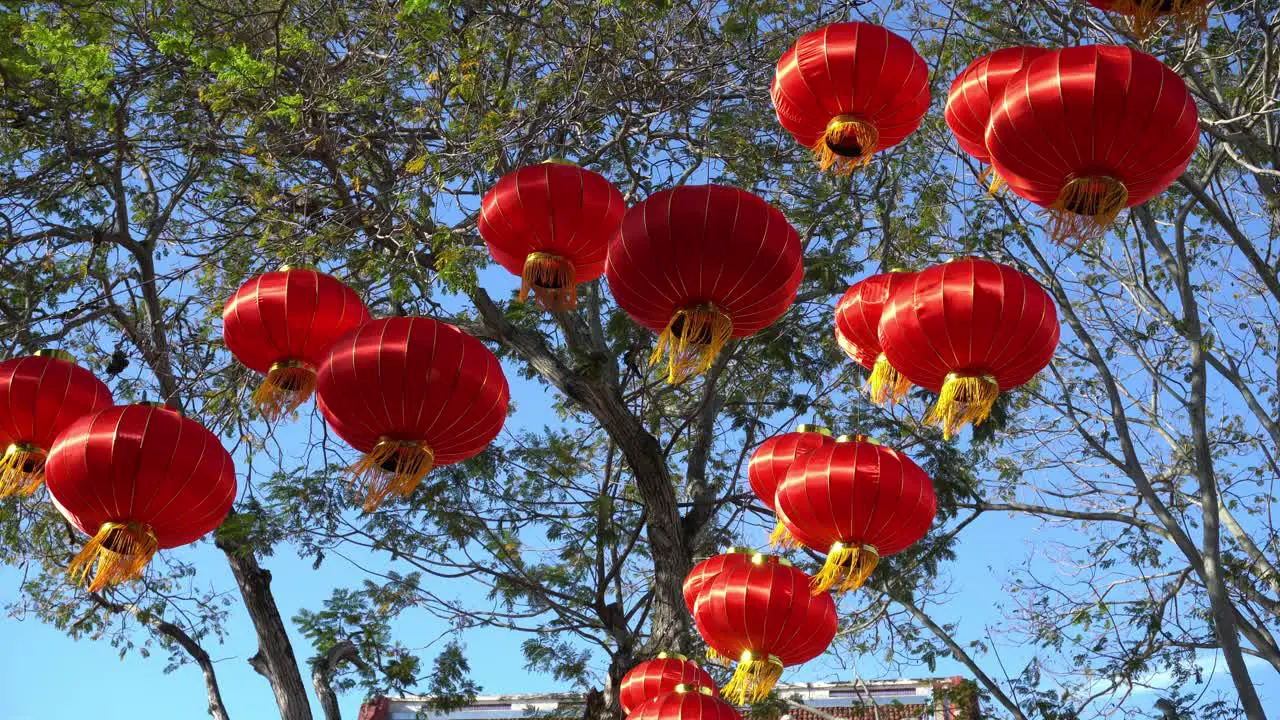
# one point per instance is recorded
(847, 568)
(847, 144)
(964, 399)
(886, 383)
(117, 554)
(21, 470)
(782, 538)
(393, 467)
(551, 279)
(1142, 14)
(992, 180)
(1086, 207)
(692, 340)
(717, 658)
(753, 679)
(288, 384)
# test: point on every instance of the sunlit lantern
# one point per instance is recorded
(659, 676)
(706, 570)
(858, 326)
(686, 702)
(770, 462)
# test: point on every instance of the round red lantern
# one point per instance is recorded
(410, 393)
(704, 571)
(661, 676)
(1143, 14)
(975, 91)
(969, 329)
(764, 615)
(858, 502)
(551, 225)
(686, 702)
(700, 264)
(850, 90)
(40, 395)
(282, 324)
(137, 478)
(858, 322)
(769, 464)
(1088, 131)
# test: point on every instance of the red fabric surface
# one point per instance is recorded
(143, 464)
(660, 676)
(555, 208)
(293, 314)
(703, 572)
(971, 316)
(414, 379)
(975, 91)
(685, 706)
(858, 314)
(41, 396)
(771, 460)
(705, 243)
(852, 68)
(857, 493)
(1089, 111)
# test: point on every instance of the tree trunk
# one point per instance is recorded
(322, 676)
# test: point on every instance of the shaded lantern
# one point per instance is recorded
(1086, 132)
(856, 501)
(411, 393)
(973, 94)
(551, 224)
(701, 264)
(40, 396)
(858, 323)
(704, 571)
(136, 479)
(282, 324)
(1143, 14)
(771, 460)
(764, 615)
(660, 676)
(850, 90)
(968, 330)
(686, 702)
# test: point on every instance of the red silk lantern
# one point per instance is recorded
(1143, 14)
(771, 460)
(858, 502)
(975, 92)
(551, 225)
(40, 395)
(282, 324)
(858, 322)
(764, 614)
(700, 264)
(410, 393)
(686, 703)
(1088, 131)
(704, 571)
(137, 478)
(969, 330)
(850, 90)
(661, 676)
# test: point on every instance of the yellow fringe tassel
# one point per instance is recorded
(753, 679)
(117, 554)
(886, 383)
(846, 568)
(1086, 208)
(692, 340)
(782, 538)
(847, 144)
(21, 470)
(964, 399)
(288, 384)
(391, 468)
(717, 658)
(1141, 15)
(992, 180)
(551, 278)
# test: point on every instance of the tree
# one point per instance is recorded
(157, 154)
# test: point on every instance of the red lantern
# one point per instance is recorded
(282, 324)
(1088, 131)
(701, 264)
(1144, 13)
(969, 330)
(850, 90)
(858, 502)
(858, 323)
(137, 478)
(703, 572)
(975, 91)
(410, 393)
(551, 225)
(764, 614)
(41, 395)
(686, 703)
(770, 461)
(661, 676)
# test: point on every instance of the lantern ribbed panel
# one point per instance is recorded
(857, 321)
(771, 460)
(976, 90)
(704, 571)
(660, 676)
(691, 705)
